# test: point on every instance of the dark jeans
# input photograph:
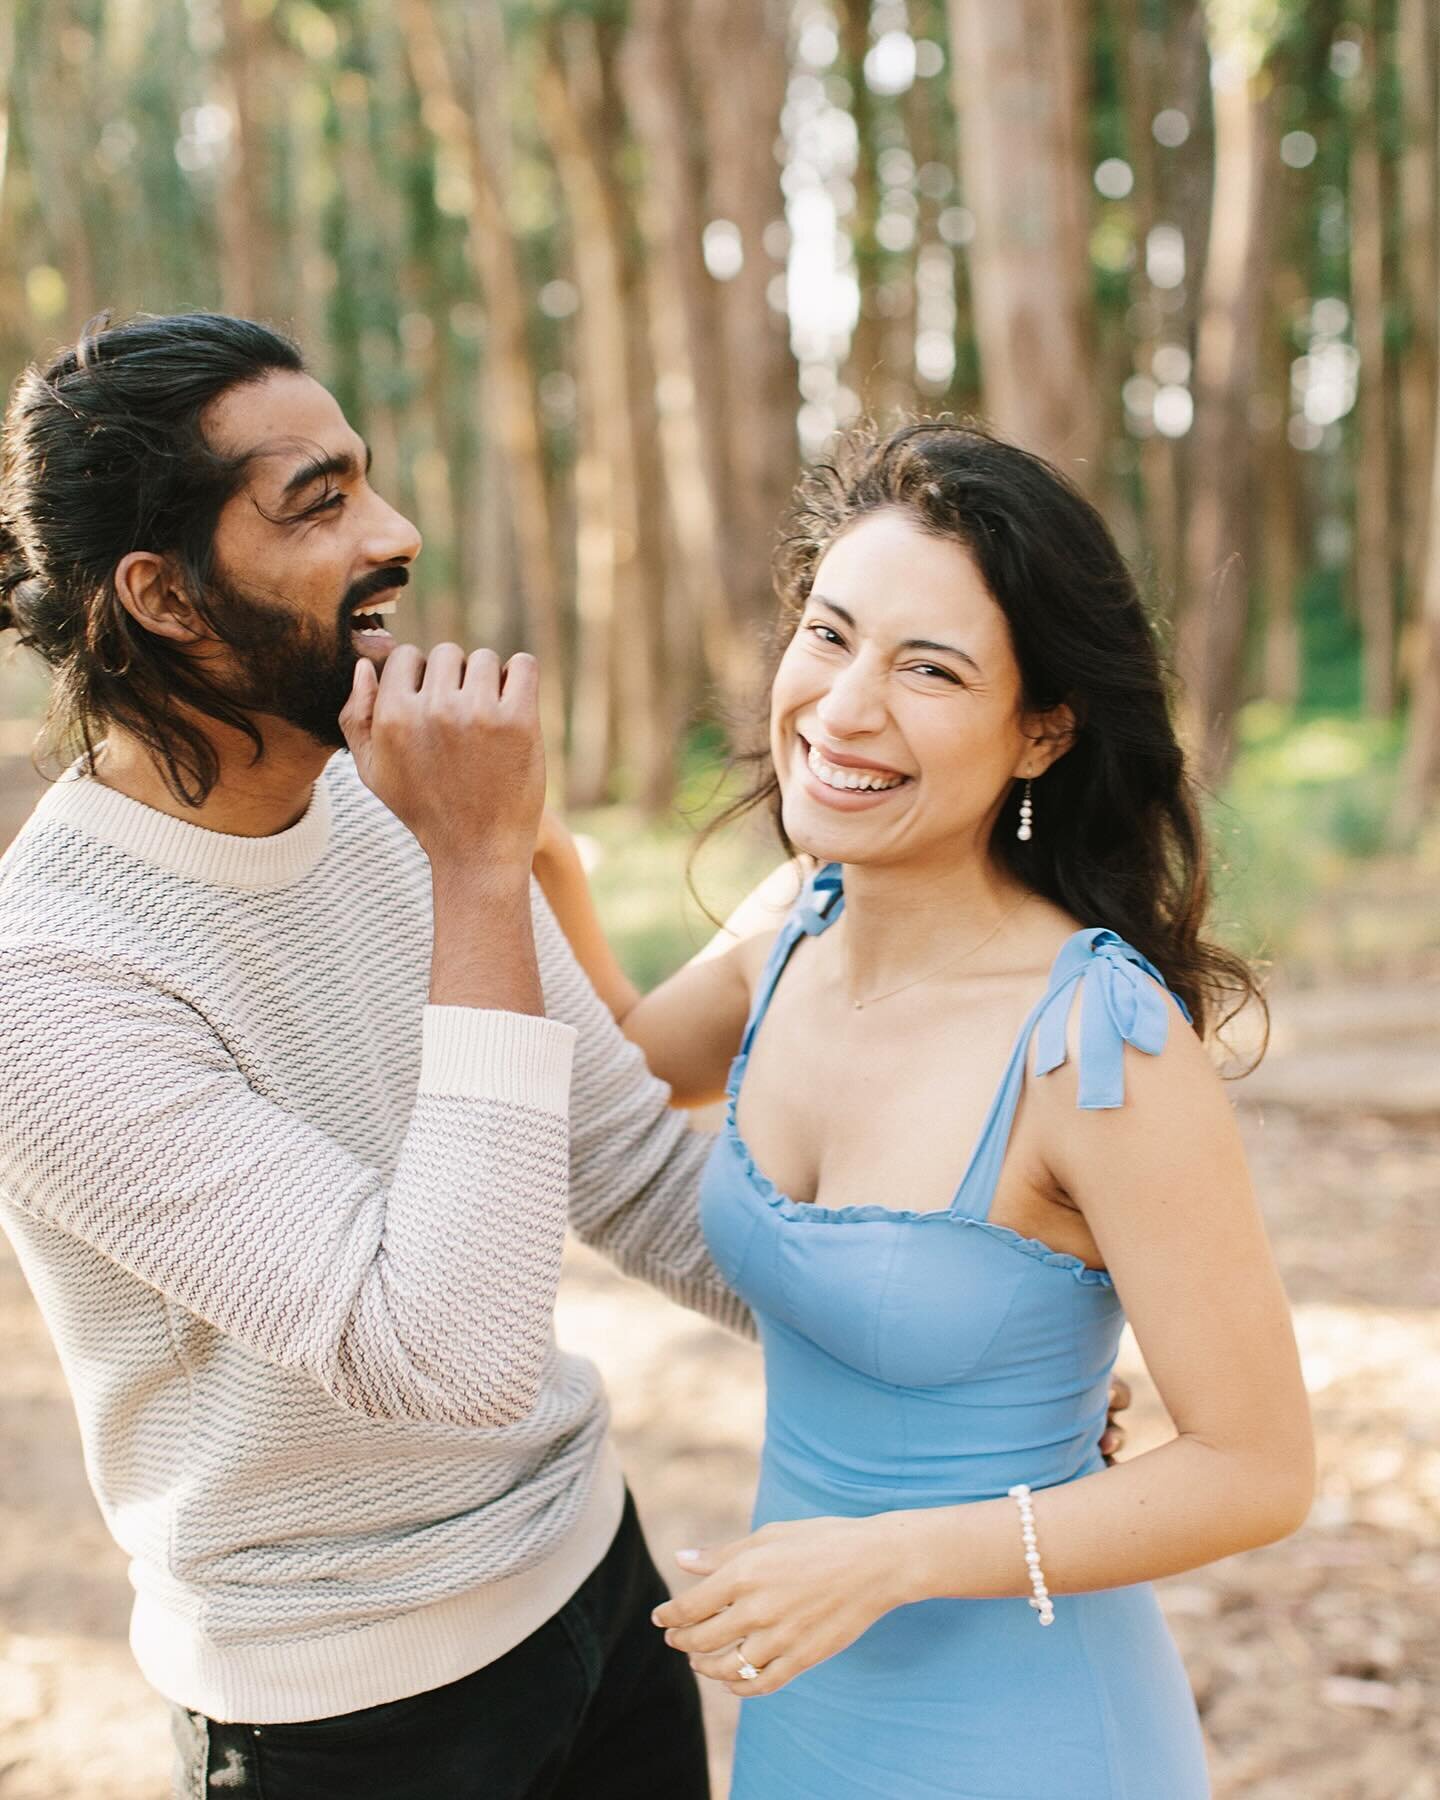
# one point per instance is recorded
(592, 1706)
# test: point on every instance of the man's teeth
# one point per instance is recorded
(849, 778)
(379, 610)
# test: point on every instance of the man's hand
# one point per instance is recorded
(1112, 1439)
(452, 745)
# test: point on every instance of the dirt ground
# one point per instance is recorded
(1316, 1662)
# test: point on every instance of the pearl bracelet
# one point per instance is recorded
(1040, 1598)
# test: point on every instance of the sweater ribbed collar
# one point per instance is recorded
(217, 857)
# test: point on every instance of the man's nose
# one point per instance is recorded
(392, 537)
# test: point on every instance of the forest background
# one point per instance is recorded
(594, 276)
(594, 279)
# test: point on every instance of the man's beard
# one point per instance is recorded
(288, 665)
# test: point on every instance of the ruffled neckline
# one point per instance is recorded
(1127, 1002)
(808, 1213)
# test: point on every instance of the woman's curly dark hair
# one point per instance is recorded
(1119, 841)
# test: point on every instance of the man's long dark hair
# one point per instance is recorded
(1118, 840)
(104, 453)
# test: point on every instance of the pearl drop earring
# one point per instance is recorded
(1027, 814)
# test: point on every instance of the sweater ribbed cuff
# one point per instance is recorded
(473, 1053)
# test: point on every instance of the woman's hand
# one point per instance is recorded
(793, 1594)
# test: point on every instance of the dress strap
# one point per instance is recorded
(1124, 1001)
(821, 902)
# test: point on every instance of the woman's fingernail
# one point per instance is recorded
(655, 1618)
(687, 1556)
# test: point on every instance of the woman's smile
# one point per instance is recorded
(852, 786)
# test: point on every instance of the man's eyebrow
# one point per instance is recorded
(317, 468)
(909, 643)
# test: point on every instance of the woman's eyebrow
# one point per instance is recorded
(909, 643)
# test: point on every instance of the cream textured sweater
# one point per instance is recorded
(298, 1235)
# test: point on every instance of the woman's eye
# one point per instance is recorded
(825, 634)
(935, 669)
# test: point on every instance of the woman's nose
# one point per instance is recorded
(853, 703)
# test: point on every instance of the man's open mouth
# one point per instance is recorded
(371, 615)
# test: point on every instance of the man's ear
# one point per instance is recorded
(1050, 735)
(146, 587)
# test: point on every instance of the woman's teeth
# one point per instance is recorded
(849, 778)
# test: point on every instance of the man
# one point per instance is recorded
(283, 1114)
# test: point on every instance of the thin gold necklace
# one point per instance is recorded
(940, 968)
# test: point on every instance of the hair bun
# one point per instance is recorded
(15, 575)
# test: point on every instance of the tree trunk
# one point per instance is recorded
(1145, 70)
(864, 372)
(615, 705)
(1215, 603)
(453, 109)
(7, 68)
(314, 275)
(1420, 782)
(690, 384)
(1419, 798)
(1018, 74)
(1276, 479)
(655, 736)
(55, 149)
(1419, 67)
(740, 48)
(14, 340)
(601, 446)
(247, 251)
(1373, 575)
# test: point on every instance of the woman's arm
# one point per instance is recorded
(691, 1025)
(1163, 1185)
(564, 883)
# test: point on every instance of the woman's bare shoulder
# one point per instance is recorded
(748, 935)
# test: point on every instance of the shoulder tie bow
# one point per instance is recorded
(1124, 1000)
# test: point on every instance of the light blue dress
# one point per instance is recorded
(930, 1359)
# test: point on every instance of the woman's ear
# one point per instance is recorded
(1050, 735)
(145, 586)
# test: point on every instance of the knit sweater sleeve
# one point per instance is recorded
(635, 1162)
(126, 1122)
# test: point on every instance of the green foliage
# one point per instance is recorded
(1330, 640)
(653, 919)
(1306, 804)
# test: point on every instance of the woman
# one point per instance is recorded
(967, 1120)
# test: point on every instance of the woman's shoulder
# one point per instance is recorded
(747, 938)
(1110, 1021)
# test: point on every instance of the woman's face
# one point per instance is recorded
(895, 716)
